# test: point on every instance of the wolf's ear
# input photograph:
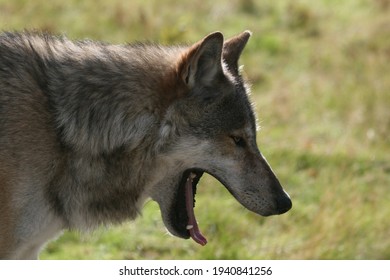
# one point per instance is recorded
(203, 61)
(232, 50)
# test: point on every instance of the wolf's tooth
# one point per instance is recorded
(189, 227)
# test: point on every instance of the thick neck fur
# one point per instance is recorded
(106, 96)
(108, 103)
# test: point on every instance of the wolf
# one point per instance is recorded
(89, 131)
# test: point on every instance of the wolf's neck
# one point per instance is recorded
(108, 96)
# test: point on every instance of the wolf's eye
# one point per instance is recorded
(239, 141)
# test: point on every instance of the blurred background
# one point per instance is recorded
(320, 75)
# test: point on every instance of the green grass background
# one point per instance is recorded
(320, 74)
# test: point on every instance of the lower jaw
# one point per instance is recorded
(189, 181)
(192, 224)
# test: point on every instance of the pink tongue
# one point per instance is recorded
(192, 224)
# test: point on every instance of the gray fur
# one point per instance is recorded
(89, 130)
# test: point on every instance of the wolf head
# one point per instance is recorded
(212, 128)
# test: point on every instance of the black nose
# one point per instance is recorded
(284, 203)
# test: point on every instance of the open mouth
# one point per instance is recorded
(182, 211)
(178, 210)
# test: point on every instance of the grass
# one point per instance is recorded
(320, 81)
